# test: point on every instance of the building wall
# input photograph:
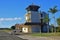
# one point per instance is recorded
(44, 28)
(25, 29)
(35, 17)
(28, 17)
(17, 26)
(35, 28)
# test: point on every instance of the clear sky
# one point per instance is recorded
(13, 11)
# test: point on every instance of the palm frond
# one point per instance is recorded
(55, 7)
(53, 10)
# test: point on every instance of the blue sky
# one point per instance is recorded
(11, 9)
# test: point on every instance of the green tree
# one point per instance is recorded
(58, 29)
(52, 28)
(58, 21)
(53, 11)
(46, 20)
(12, 27)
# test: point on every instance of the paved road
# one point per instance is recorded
(7, 36)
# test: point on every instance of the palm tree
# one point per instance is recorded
(53, 11)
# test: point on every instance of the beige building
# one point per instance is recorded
(23, 28)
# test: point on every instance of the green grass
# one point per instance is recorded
(40, 34)
(7, 30)
(45, 34)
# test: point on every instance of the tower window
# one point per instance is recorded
(41, 15)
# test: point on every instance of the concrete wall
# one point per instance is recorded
(45, 28)
(25, 30)
(35, 17)
(35, 28)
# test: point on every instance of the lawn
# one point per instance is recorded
(40, 34)
(7, 30)
(45, 34)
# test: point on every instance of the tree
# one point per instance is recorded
(53, 11)
(58, 21)
(58, 29)
(52, 28)
(46, 20)
(12, 27)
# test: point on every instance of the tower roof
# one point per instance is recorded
(32, 8)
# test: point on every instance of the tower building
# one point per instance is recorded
(32, 15)
(34, 20)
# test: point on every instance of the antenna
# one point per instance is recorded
(32, 3)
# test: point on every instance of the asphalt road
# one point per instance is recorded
(7, 36)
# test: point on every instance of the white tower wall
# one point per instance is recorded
(35, 17)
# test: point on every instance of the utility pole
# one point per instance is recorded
(40, 21)
(48, 23)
